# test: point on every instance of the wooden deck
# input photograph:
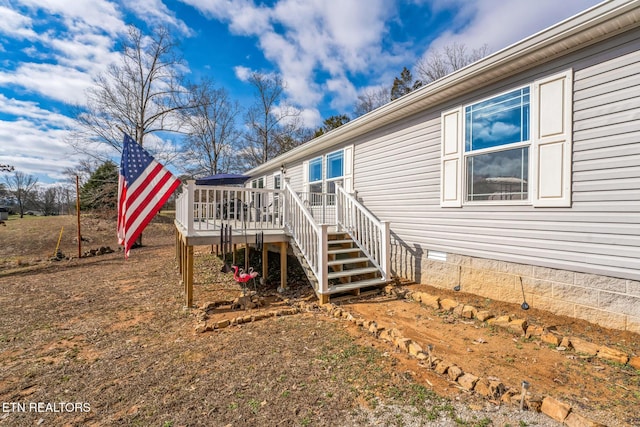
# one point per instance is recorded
(340, 244)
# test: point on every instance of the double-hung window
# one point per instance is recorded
(322, 173)
(323, 179)
(277, 185)
(315, 175)
(496, 147)
(256, 198)
(511, 148)
(334, 171)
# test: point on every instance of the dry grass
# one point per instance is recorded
(114, 334)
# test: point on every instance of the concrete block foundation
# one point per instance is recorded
(607, 301)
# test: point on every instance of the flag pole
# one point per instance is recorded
(78, 215)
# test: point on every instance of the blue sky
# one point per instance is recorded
(327, 51)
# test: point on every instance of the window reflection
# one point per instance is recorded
(498, 176)
(498, 121)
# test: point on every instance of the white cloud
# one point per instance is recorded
(311, 117)
(71, 42)
(313, 44)
(35, 144)
(81, 16)
(156, 12)
(54, 81)
(344, 92)
(31, 111)
(243, 73)
(244, 17)
(15, 25)
(499, 24)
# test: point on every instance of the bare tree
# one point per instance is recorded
(140, 95)
(273, 126)
(371, 99)
(211, 129)
(49, 201)
(23, 187)
(441, 62)
(83, 170)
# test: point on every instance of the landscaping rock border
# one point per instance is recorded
(490, 387)
(520, 326)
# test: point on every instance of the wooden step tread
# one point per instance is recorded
(356, 285)
(348, 261)
(343, 251)
(339, 242)
(351, 272)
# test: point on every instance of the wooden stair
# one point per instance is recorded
(349, 270)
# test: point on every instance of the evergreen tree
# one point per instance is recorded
(331, 123)
(101, 190)
(404, 84)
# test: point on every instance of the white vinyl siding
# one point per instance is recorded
(398, 176)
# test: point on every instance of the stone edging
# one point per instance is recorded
(490, 387)
(521, 326)
(203, 326)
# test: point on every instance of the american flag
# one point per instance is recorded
(143, 187)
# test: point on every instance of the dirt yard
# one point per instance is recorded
(104, 341)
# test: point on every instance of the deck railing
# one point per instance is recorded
(372, 236)
(321, 205)
(309, 236)
(202, 207)
(210, 208)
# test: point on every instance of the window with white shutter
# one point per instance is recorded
(511, 148)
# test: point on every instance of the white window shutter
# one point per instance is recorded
(550, 183)
(305, 176)
(347, 172)
(451, 158)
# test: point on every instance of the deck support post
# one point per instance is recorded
(189, 277)
(176, 241)
(179, 250)
(265, 263)
(233, 257)
(247, 254)
(183, 263)
(283, 265)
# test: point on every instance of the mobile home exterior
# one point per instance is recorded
(520, 170)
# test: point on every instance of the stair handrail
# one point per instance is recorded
(370, 234)
(310, 237)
